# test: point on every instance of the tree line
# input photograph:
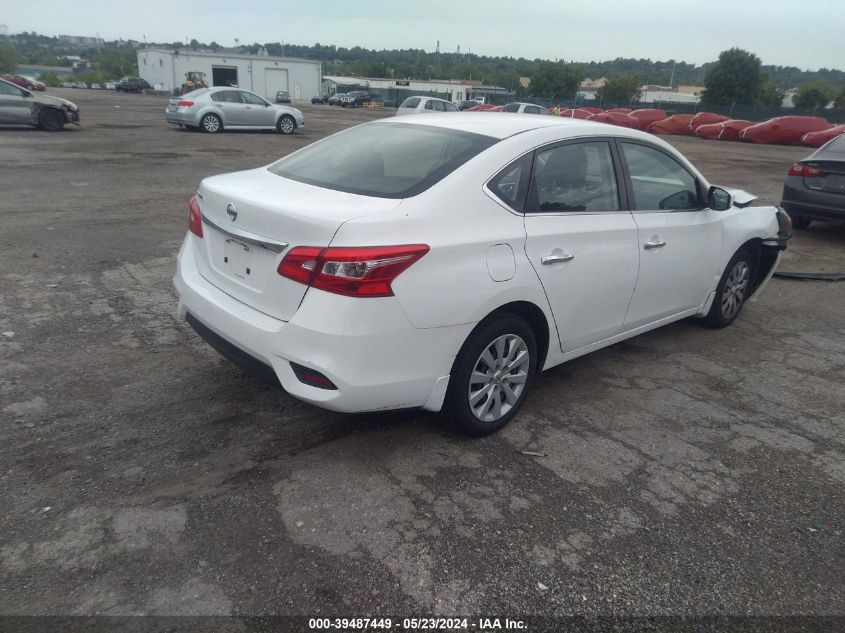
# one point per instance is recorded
(738, 76)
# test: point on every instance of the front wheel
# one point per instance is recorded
(491, 375)
(286, 124)
(211, 123)
(732, 292)
(51, 120)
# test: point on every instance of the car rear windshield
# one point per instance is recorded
(384, 160)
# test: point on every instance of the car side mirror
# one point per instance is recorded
(718, 199)
(26, 93)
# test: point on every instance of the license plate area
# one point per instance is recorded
(238, 260)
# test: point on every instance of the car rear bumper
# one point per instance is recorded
(800, 200)
(366, 347)
(181, 118)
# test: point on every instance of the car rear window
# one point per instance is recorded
(384, 160)
(410, 102)
(837, 145)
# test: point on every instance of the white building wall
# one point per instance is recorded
(261, 75)
(458, 91)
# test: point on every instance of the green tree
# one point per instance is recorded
(738, 77)
(619, 89)
(51, 79)
(8, 59)
(771, 96)
(556, 80)
(814, 94)
(839, 102)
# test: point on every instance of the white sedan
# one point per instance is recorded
(424, 105)
(440, 262)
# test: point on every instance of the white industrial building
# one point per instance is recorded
(166, 69)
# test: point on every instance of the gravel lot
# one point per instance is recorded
(686, 471)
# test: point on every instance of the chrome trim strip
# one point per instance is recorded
(257, 240)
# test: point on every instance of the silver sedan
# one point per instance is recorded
(215, 109)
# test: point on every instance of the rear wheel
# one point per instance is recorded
(51, 120)
(286, 124)
(800, 222)
(733, 290)
(492, 374)
(211, 123)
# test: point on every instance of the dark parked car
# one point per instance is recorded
(133, 84)
(282, 97)
(323, 97)
(353, 99)
(815, 186)
(19, 106)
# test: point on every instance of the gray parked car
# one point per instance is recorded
(215, 109)
(815, 186)
(19, 106)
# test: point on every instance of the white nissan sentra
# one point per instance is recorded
(441, 261)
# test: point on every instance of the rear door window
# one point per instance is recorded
(226, 96)
(574, 177)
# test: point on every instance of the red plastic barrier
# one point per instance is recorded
(647, 116)
(783, 130)
(617, 118)
(591, 109)
(620, 110)
(817, 139)
(705, 118)
(710, 131)
(484, 107)
(580, 113)
(732, 128)
(675, 124)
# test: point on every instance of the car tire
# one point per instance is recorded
(211, 124)
(733, 290)
(286, 124)
(503, 350)
(800, 222)
(51, 120)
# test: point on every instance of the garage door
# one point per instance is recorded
(224, 76)
(275, 79)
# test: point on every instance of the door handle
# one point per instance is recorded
(654, 244)
(556, 259)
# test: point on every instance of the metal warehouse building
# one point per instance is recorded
(262, 74)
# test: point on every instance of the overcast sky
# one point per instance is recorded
(781, 32)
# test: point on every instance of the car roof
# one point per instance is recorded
(502, 126)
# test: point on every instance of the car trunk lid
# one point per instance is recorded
(832, 179)
(252, 219)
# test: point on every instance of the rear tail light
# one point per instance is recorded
(185, 104)
(354, 271)
(195, 217)
(805, 171)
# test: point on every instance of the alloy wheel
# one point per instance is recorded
(498, 378)
(210, 124)
(736, 287)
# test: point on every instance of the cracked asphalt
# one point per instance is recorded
(684, 472)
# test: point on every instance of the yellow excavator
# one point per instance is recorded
(194, 80)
